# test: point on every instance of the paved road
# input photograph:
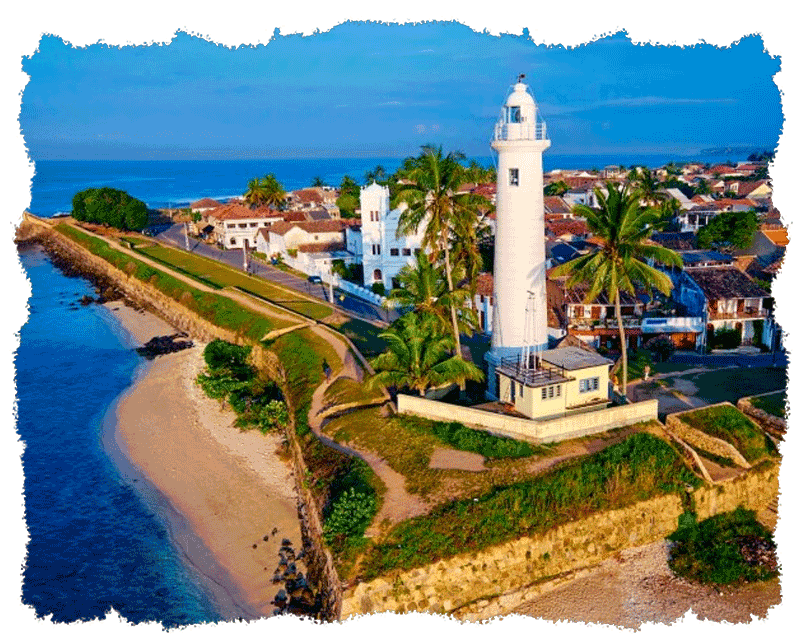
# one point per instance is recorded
(760, 360)
(354, 306)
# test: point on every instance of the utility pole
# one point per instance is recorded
(186, 234)
(244, 258)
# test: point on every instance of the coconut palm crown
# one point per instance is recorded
(622, 228)
(430, 192)
(418, 356)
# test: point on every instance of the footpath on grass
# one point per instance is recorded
(398, 504)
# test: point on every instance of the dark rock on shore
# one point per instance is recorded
(161, 345)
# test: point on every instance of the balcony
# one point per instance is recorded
(520, 131)
(531, 376)
(588, 324)
(738, 314)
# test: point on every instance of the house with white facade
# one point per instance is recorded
(236, 226)
(384, 251)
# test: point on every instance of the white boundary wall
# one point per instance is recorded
(536, 431)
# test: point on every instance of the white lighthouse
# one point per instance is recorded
(520, 294)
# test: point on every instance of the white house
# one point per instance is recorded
(287, 237)
(236, 226)
(384, 253)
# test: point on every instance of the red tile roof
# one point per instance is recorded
(568, 227)
(556, 204)
(236, 211)
(205, 203)
(320, 247)
(485, 284)
(294, 216)
(317, 226)
(308, 195)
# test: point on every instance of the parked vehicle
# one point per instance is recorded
(315, 279)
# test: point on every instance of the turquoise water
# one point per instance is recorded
(95, 542)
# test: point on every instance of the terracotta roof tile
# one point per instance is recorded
(721, 283)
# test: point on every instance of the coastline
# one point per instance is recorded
(221, 491)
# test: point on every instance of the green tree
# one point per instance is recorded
(558, 188)
(419, 356)
(432, 198)
(110, 206)
(728, 230)
(645, 183)
(378, 174)
(255, 193)
(318, 182)
(424, 289)
(623, 227)
(274, 193)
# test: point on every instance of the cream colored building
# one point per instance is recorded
(566, 380)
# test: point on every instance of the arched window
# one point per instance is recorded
(377, 275)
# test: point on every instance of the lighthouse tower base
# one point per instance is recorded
(508, 355)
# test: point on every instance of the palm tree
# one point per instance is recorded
(274, 193)
(432, 199)
(643, 181)
(623, 227)
(418, 356)
(423, 288)
(255, 193)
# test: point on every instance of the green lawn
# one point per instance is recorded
(774, 404)
(347, 390)
(219, 275)
(731, 425)
(364, 335)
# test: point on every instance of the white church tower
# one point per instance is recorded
(520, 293)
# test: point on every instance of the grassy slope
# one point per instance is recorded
(729, 424)
(219, 275)
(217, 309)
(640, 467)
(774, 404)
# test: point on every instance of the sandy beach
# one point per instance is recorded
(228, 498)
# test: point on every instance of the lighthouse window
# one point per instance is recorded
(514, 114)
(513, 177)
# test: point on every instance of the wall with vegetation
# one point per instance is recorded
(488, 583)
(497, 580)
(697, 438)
(572, 426)
(754, 490)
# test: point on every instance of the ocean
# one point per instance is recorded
(96, 540)
(176, 183)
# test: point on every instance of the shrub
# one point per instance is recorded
(463, 438)
(349, 515)
(729, 548)
(274, 415)
(726, 338)
(661, 347)
(220, 355)
(379, 288)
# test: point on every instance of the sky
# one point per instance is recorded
(378, 90)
